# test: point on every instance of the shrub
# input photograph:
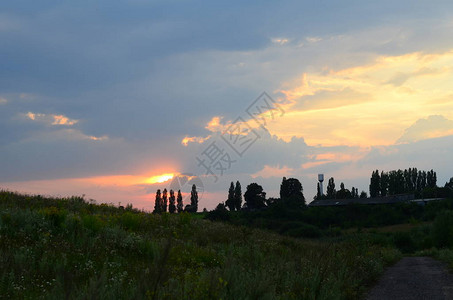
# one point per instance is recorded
(92, 222)
(218, 214)
(130, 221)
(404, 242)
(304, 230)
(54, 215)
(443, 230)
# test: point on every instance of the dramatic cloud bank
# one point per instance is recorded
(109, 99)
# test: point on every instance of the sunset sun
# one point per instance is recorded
(160, 178)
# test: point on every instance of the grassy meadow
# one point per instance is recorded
(71, 248)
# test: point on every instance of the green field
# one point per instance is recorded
(70, 248)
(54, 248)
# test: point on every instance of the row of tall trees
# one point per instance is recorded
(234, 201)
(291, 194)
(175, 204)
(401, 181)
(342, 193)
(385, 184)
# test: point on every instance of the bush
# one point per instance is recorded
(92, 222)
(422, 236)
(404, 242)
(443, 230)
(220, 213)
(54, 215)
(130, 221)
(304, 230)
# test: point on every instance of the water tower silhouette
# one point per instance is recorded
(321, 179)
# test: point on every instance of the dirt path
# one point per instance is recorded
(414, 278)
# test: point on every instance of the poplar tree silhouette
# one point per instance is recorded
(354, 193)
(431, 179)
(384, 184)
(402, 181)
(179, 204)
(343, 193)
(230, 203)
(193, 207)
(331, 191)
(164, 201)
(171, 200)
(238, 196)
(374, 184)
(318, 192)
(157, 203)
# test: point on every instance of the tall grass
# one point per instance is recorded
(70, 248)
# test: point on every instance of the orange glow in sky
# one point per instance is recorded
(160, 178)
(370, 104)
(126, 180)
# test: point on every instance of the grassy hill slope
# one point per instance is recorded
(69, 248)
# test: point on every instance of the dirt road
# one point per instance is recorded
(414, 278)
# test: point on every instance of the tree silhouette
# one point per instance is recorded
(449, 184)
(330, 192)
(230, 203)
(318, 192)
(414, 175)
(291, 192)
(343, 193)
(407, 174)
(164, 201)
(402, 181)
(171, 200)
(283, 189)
(375, 184)
(431, 179)
(158, 203)
(193, 207)
(384, 184)
(421, 181)
(179, 204)
(254, 196)
(238, 196)
(354, 193)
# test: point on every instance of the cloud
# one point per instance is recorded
(121, 87)
(280, 41)
(328, 99)
(423, 154)
(51, 119)
(215, 125)
(313, 39)
(432, 127)
(357, 106)
(194, 139)
(3, 101)
(400, 78)
(270, 171)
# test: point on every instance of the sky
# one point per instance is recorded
(116, 99)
